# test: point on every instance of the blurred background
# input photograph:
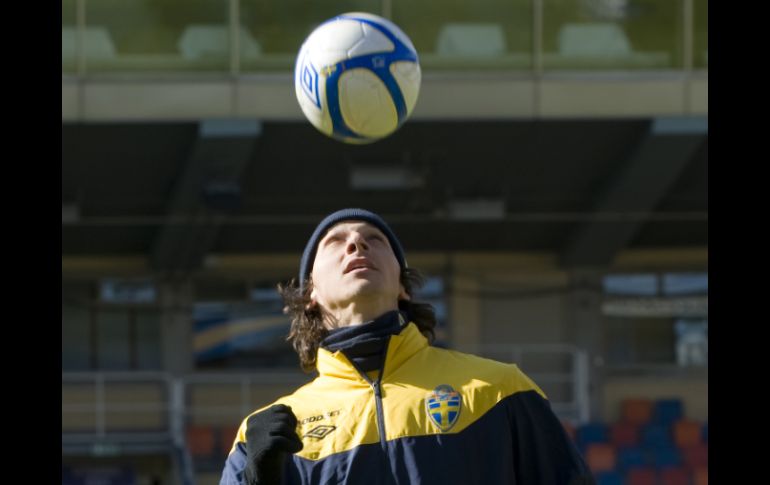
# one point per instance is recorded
(552, 184)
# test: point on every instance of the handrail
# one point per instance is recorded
(175, 398)
(175, 402)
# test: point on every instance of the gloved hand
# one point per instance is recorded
(270, 435)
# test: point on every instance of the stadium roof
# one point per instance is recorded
(585, 189)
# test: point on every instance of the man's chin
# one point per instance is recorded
(364, 287)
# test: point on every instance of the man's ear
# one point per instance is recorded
(313, 301)
(403, 295)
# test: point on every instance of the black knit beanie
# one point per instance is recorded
(308, 257)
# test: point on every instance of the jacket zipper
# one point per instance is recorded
(377, 387)
(380, 416)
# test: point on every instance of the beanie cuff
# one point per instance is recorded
(308, 256)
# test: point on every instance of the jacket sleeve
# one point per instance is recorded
(234, 466)
(543, 453)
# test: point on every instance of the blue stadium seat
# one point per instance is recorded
(656, 436)
(591, 433)
(667, 456)
(609, 478)
(667, 411)
(631, 457)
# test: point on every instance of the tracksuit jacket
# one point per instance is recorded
(430, 416)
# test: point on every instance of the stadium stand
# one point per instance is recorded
(651, 443)
(636, 411)
(200, 441)
(642, 476)
(600, 457)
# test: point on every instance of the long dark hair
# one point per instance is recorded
(307, 326)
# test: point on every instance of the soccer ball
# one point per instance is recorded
(357, 77)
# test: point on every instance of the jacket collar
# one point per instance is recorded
(400, 348)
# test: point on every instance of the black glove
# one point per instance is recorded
(270, 435)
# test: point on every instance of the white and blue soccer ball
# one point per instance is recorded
(357, 77)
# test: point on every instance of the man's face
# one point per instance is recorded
(354, 261)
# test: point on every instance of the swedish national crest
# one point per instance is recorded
(443, 406)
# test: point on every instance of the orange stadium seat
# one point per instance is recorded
(674, 476)
(636, 411)
(227, 437)
(200, 440)
(624, 434)
(687, 433)
(696, 456)
(600, 457)
(569, 428)
(642, 476)
(700, 476)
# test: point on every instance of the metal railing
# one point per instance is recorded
(573, 379)
(96, 404)
(113, 413)
(119, 406)
(123, 405)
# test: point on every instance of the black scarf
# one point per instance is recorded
(365, 345)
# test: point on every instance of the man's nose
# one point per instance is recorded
(356, 242)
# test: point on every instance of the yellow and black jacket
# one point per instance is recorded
(435, 416)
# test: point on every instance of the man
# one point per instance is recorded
(387, 407)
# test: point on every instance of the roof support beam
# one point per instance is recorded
(208, 184)
(638, 186)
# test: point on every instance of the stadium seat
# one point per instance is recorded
(593, 39)
(696, 456)
(591, 433)
(226, 438)
(609, 478)
(642, 476)
(471, 39)
(600, 457)
(655, 436)
(686, 433)
(668, 411)
(569, 428)
(200, 440)
(700, 476)
(97, 43)
(674, 476)
(636, 411)
(628, 458)
(667, 456)
(202, 40)
(624, 434)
